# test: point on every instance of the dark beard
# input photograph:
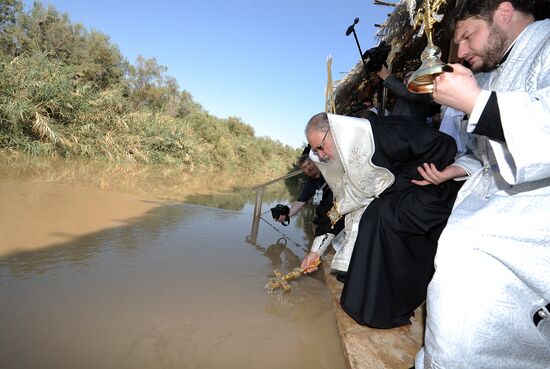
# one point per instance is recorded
(494, 51)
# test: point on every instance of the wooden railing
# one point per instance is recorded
(258, 204)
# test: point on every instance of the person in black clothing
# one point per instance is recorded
(315, 182)
(316, 188)
(415, 106)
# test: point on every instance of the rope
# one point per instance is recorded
(299, 245)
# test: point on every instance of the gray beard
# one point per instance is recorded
(333, 172)
(335, 163)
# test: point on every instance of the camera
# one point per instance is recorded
(376, 56)
(279, 210)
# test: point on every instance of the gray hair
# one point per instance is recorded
(318, 123)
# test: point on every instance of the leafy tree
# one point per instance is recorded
(46, 30)
(186, 105)
(151, 88)
(49, 32)
(238, 128)
(9, 13)
(101, 62)
(146, 79)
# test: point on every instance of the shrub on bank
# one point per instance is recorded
(68, 92)
(45, 109)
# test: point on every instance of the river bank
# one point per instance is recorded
(370, 348)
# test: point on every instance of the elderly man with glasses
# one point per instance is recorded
(391, 224)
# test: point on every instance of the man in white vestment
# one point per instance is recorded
(391, 224)
(488, 301)
(350, 200)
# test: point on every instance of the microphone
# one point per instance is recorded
(350, 28)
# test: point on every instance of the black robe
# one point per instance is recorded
(393, 258)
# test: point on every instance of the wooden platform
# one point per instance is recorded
(369, 348)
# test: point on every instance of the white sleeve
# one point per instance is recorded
(320, 243)
(469, 162)
(525, 117)
(466, 158)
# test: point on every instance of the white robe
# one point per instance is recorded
(354, 180)
(493, 259)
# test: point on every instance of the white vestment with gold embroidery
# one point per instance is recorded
(354, 180)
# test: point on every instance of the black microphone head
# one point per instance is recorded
(350, 28)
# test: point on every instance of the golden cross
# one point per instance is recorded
(426, 16)
(281, 281)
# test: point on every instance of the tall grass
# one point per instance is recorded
(46, 109)
(68, 92)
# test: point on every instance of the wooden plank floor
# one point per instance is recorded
(369, 348)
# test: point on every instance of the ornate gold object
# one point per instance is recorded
(281, 281)
(422, 80)
(334, 214)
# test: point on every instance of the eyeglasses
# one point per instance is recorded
(321, 144)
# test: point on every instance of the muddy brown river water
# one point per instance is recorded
(126, 267)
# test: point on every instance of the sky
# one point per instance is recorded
(261, 60)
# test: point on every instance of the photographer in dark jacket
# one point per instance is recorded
(415, 106)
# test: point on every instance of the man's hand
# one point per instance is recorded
(282, 218)
(383, 73)
(457, 89)
(311, 262)
(431, 175)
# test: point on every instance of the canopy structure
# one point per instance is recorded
(407, 45)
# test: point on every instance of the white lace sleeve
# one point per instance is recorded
(321, 243)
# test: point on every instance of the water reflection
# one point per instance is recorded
(280, 255)
(237, 198)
